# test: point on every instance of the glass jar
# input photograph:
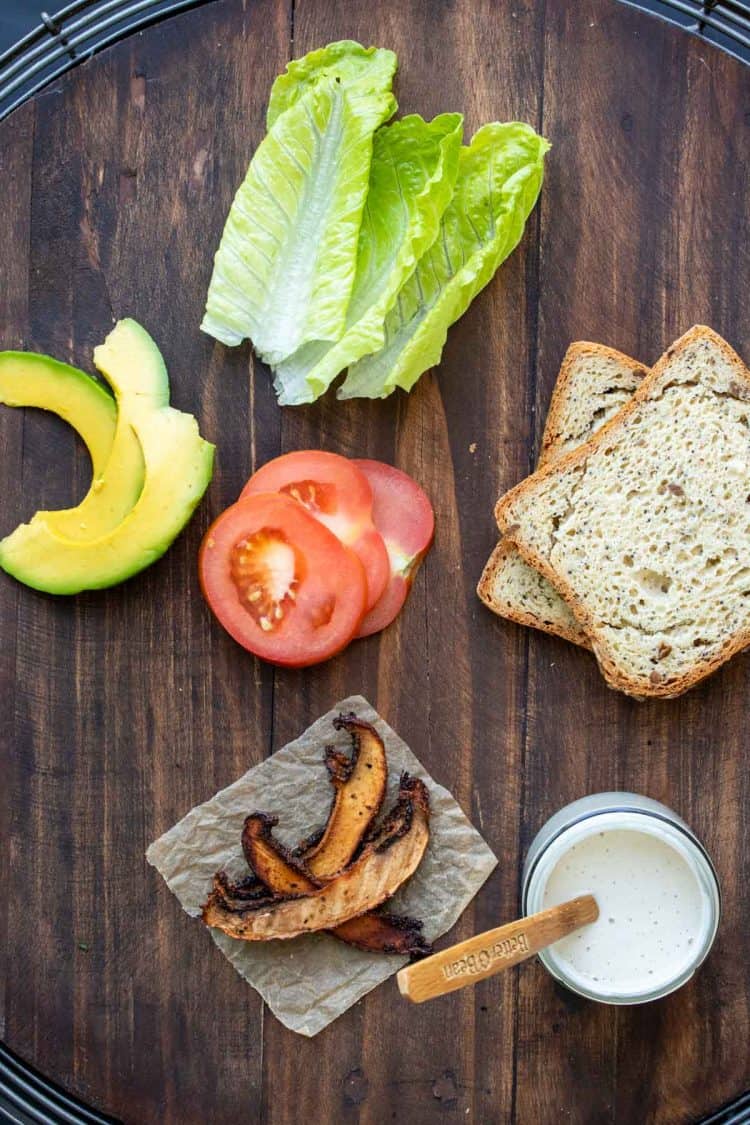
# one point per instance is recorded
(578, 836)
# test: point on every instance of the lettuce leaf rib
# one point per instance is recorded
(499, 180)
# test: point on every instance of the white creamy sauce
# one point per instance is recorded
(653, 912)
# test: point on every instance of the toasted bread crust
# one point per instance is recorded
(638, 687)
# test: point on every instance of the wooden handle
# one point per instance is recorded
(486, 954)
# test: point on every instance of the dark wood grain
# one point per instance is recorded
(15, 192)
(662, 165)
(128, 708)
(120, 710)
(431, 681)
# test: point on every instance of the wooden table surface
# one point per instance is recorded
(122, 709)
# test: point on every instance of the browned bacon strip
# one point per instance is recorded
(387, 861)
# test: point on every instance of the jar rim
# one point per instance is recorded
(685, 842)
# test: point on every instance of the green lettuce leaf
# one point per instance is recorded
(361, 70)
(284, 270)
(499, 179)
(412, 177)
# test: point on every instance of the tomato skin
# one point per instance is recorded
(372, 552)
(335, 492)
(404, 517)
(387, 609)
(401, 509)
(330, 587)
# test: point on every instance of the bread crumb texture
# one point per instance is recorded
(511, 588)
(593, 384)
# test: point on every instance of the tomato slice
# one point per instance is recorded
(337, 494)
(404, 517)
(280, 582)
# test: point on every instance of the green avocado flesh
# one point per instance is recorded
(27, 379)
(155, 489)
(37, 380)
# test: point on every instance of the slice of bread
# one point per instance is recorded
(514, 589)
(593, 384)
(645, 530)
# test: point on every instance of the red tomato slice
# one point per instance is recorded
(280, 583)
(333, 490)
(404, 517)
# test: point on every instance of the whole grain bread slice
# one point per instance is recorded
(594, 383)
(645, 530)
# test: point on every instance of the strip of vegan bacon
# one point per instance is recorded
(385, 933)
(386, 861)
(272, 863)
(359, 784)
(284, 876)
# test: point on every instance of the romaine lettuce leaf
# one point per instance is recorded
(412, 177)
(499, 179)
(361, 70)
(284, 270)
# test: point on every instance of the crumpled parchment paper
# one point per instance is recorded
(309, 981)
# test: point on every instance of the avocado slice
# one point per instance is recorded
(178, 466)
(116, 485)
(28, 379)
